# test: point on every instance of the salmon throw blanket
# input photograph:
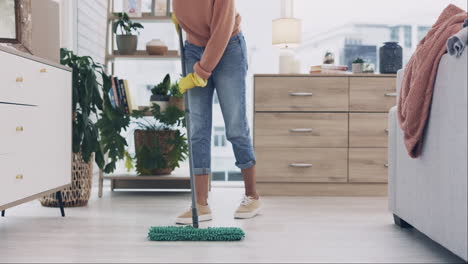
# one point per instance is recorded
(420, 73)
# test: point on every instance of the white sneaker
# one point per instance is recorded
(204, 214)
(248, 208)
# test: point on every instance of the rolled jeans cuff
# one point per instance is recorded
(201, 171)
(247, 165)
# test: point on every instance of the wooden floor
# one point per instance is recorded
(292, 229)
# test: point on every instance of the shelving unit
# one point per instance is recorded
(132, 181)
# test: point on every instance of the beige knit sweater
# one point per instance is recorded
(209, 24)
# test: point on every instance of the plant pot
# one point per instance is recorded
(161, 100)
(80, 191)
(127, 44)
(155, 139)
(177, 102)
(357, 67)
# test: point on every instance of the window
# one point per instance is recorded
(219, 137)
(408, 36)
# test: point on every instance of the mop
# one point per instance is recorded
(193, 233)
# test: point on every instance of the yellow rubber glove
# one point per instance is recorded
(191, 81)
(175, 21)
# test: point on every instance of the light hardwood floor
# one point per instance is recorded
(291, 229)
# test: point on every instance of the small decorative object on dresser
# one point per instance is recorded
(127, 43)
(156, 47)
(322, 134)
(391, 57)
(358, 65)
(329, 58)
(35, 130)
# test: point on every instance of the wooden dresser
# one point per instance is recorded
(322, 134)
(35, 127)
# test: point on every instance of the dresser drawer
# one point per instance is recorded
(372, 94)
(17, 179)
(301, 93)
(301, 130)
(20, 126)
(20, 79)
(368, 130)
(302, 164)
(368, 165)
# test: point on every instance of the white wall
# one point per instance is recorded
(91, 28)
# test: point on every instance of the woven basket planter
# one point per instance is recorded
(80, 191)
(148, 138)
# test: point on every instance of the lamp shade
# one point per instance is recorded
(287, 31)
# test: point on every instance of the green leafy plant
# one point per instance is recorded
(86, 103)
(174, 91)
(358, 61)
(154, 156)
(162, 89)
(126, 25)
(91, 136)
(112, 122)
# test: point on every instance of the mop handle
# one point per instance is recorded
(189, 137)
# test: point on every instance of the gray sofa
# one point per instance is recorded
(430, 193)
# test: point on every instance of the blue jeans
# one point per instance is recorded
(229, 81)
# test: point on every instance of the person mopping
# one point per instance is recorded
(216, 59)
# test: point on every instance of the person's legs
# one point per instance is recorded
(230, 83)
(200, 108)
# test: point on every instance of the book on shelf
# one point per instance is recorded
(120, 94)
(114, 93)
(129, 98)
(124, 96)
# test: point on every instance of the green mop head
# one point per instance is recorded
(189, 233)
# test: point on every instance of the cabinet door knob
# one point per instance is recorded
(43, 70)
(386, 165)
(19, 177)
(19, 79)
(19, 129)
(386, 130)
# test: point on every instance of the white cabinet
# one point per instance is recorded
(35, 127)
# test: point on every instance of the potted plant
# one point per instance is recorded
(160, 93)
(159, 145)
(176, 97)
(357, 66)
(91, 114)
(126, 42)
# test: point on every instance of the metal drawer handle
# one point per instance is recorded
(19, 129)
(43, 70)
(300, 94)
(301, 130)
(386, 165)
(19, 177)
(300, 165)
(19, 79)
(391, 94)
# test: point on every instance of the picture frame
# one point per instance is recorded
(17, 26)
(132, 7)
(161, 8)
(23, 41)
